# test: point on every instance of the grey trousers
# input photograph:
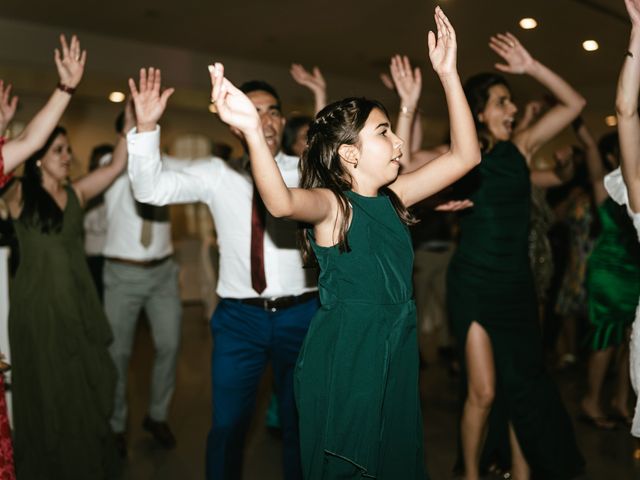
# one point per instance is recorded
(127, 289)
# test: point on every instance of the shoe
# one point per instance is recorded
(160, 431)
(121, 444)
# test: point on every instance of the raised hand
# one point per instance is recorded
(7, 106)
(518, 59)
(70, 61)
(633, 9)
(233, 106)
(443, 47)
(313, 80)
(406, 81)
(149, 103)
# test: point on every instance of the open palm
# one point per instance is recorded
(70, 60)
(7, 106)
(148, 101)
(406, 80)
(511, 50)
(443, 46)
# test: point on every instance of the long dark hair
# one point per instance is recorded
(338, 124)
(39, 209)
(476, 89)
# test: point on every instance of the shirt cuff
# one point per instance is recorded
(144, 143)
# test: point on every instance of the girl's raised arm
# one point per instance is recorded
(464, 153)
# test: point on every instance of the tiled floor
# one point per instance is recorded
(609, 454)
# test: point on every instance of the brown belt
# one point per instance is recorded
(277, 303)
(139, 263)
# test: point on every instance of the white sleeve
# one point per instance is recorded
(154, 184)
(615, 186)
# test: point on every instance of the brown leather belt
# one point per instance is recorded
(139, 263)
(277, 303)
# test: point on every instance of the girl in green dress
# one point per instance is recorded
(357, 373)
(491, 293)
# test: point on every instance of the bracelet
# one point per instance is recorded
(65, 88)
(404, 110)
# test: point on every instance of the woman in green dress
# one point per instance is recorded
(613, 287)
(491, 293)
(357, 373)
(63, 376)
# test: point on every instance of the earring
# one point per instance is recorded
(39, 163)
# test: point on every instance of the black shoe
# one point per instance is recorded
(160, 431)
(121, 444)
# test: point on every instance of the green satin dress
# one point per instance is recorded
(490, 282)
(613, 277)
(356, 378)
(63, 378)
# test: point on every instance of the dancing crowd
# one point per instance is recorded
(317, 224)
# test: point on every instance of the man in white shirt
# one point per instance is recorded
(139, 272)
(267, 298)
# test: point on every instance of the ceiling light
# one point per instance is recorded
(528, 23)
(611, 120)
(590, 45)
(117, 97)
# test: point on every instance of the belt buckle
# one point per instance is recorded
(266, 304)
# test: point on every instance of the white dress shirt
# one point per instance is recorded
(227, 189)
(125, 225)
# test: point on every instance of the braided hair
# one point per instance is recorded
(337, 124)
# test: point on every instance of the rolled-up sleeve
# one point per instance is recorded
(152, 182)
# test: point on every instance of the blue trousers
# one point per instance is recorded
(245, 338)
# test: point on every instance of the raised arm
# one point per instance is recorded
(595, 165)
(312, 206)
(570, 103)
(464, 152)
(151, 183)
(97, 181)
(314, 81)
(70, 61)
(627, 109)
(408, 84)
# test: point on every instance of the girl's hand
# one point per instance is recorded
(233, 106)
(406, 80)
(454, 205)
(443, 48)
(149, 103)
(70, 63)
(7, 106)
(518, 59)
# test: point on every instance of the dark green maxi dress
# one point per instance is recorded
(356, 378)
(63, 378)
(490, 282)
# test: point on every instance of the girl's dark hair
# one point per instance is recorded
(338, 124)
(291, 128)
(39, 209)
(476, 89)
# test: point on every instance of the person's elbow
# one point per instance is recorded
(626, 109)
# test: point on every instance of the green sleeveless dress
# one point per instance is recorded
(63, 378)
(490, 282)
(356, 377)
(613, 277)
